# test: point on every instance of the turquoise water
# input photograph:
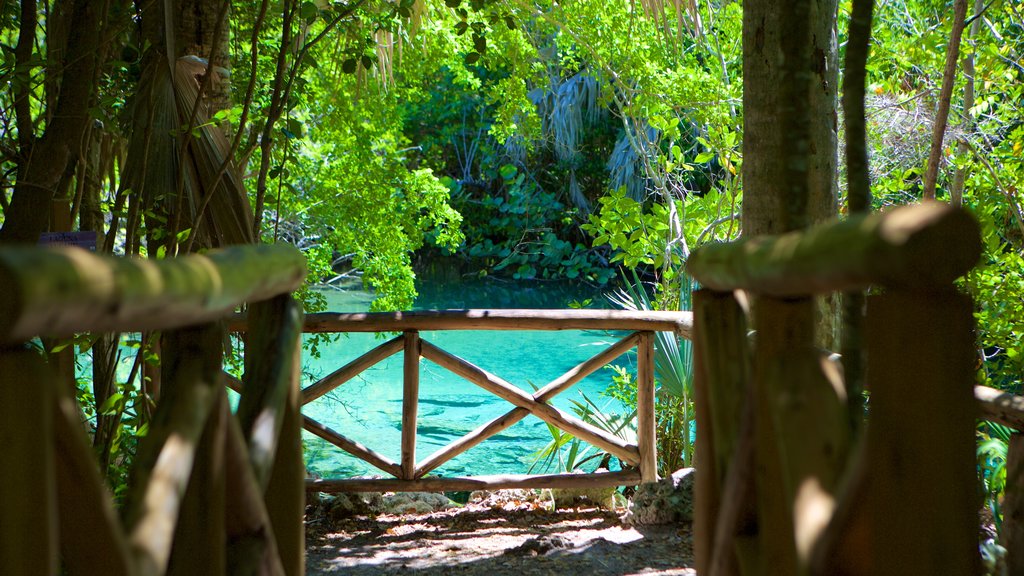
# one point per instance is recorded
(368, 409)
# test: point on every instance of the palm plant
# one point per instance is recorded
(673, 372)
(567, 453)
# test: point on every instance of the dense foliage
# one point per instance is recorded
(531, 140)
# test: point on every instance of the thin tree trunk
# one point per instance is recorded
(956, 192)
(942, 113)
(858, 194)
(40, 172)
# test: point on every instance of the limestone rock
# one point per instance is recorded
(667, 501)
(415, 503)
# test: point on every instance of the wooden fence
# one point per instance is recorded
(410, 475)
(210, 492)
(785, 484)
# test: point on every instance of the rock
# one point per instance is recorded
(415, 503)
(667, 501)
(507, 499)
(541, 546)
(607, 497)
(342, 506)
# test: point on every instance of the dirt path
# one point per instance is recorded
(513, 538)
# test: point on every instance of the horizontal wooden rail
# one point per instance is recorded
(679, 322)
(61, 290)
(1002, 407)
(595, 480)
(920, 246)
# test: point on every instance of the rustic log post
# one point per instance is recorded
(1013, 507)
(191, 376)
(410, 402)
(271, 351)
(646, 424)
(251, 545)
(275, 368)
(923, 501)
(92, 540)
(199, 539)
(28, 485)
(721, 381)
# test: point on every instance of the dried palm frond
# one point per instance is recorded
(626, 164)
(157, 165)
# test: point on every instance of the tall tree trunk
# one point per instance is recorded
(46, 160)
(789, 168)
(763, 205)
(201, 32)
(765, 209)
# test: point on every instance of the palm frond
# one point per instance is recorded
(156, 168)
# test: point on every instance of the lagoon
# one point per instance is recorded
(368, 409)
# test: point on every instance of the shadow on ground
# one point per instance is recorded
(496, 541)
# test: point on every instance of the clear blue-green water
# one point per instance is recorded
(368, 409)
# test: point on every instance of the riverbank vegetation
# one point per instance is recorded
(530, 141)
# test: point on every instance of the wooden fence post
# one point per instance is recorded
(92, 540)
(28, 486)
(921, 445)
(721, 383)
(1013, 507)
(164, 463)
(200, 542)
(410, 402)
(269, 415)
(646, 424)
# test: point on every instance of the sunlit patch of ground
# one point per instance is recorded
(493, 541)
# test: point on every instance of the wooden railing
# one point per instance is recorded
(410, 475)
(787, 481)
(210, 492)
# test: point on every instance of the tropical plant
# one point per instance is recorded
(993, 446)
(567, 453)
(673, 374)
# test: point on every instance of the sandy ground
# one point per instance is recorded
(487, 539)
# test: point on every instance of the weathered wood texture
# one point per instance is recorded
(1013, 507)
(58, 291)
(268, 413)
(410, 402)
(596, 480)
(199, 538)
(191, 373)
(678, 322)
(1002, 407)
(271, 359)
(923, 500)
(916, 246)
(721, 385)
(251, 543)
(646, 426)
(92, 540)
(28, 486)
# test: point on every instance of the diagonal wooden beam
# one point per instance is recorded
(545, 394)
(555, 417)
(352, 447)
(351, 370)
